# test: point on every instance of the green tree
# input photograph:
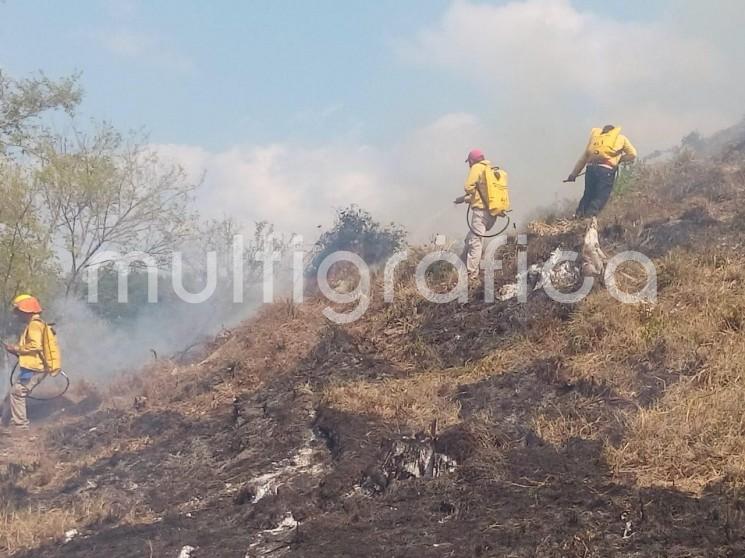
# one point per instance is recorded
(101, 192)
(24, 102)
(26, 258)
(27, 261)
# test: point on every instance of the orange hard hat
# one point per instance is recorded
(27, 304)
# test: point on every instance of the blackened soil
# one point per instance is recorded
(195, 477)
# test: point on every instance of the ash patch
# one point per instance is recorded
(407, 458)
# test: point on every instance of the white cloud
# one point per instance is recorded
(547, 72)
(297, 187)
(294, 187)
(545, 56)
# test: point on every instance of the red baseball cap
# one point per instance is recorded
(474, 156)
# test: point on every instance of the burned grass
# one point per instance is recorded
(595, 429)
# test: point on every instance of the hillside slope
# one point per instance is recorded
(590, 430)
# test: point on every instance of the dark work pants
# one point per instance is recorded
(598, 188)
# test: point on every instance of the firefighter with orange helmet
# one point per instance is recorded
(31, 361)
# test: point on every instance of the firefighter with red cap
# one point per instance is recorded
(31, 362)
(486, 193)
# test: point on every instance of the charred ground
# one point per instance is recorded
(595, 429)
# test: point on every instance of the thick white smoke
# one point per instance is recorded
(539, 74)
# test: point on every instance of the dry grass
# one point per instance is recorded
(558, 426)
(695, 435)
(30, 527)
(38, 473)
(691, 341)
(689, 433)
(413, 402)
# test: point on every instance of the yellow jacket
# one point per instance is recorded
(474, 175)
(627, 153)
(30, 346)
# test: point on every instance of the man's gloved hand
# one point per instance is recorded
(571, 178)
(461, 199)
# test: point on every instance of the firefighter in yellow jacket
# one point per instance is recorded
(606, 149)
(486, 192)
(29, 350)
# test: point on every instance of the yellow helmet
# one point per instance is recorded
(27, 304)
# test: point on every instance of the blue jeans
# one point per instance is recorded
(598, 189)
(24, 375)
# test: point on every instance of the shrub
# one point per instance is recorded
(356, 231)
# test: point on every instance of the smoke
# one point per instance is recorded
(528, 80)
(299, 188)
(95, 347)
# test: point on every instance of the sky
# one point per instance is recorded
(296, 109)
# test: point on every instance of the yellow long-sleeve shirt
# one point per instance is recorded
(30, 346)
(474, 175)
(626, 154)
